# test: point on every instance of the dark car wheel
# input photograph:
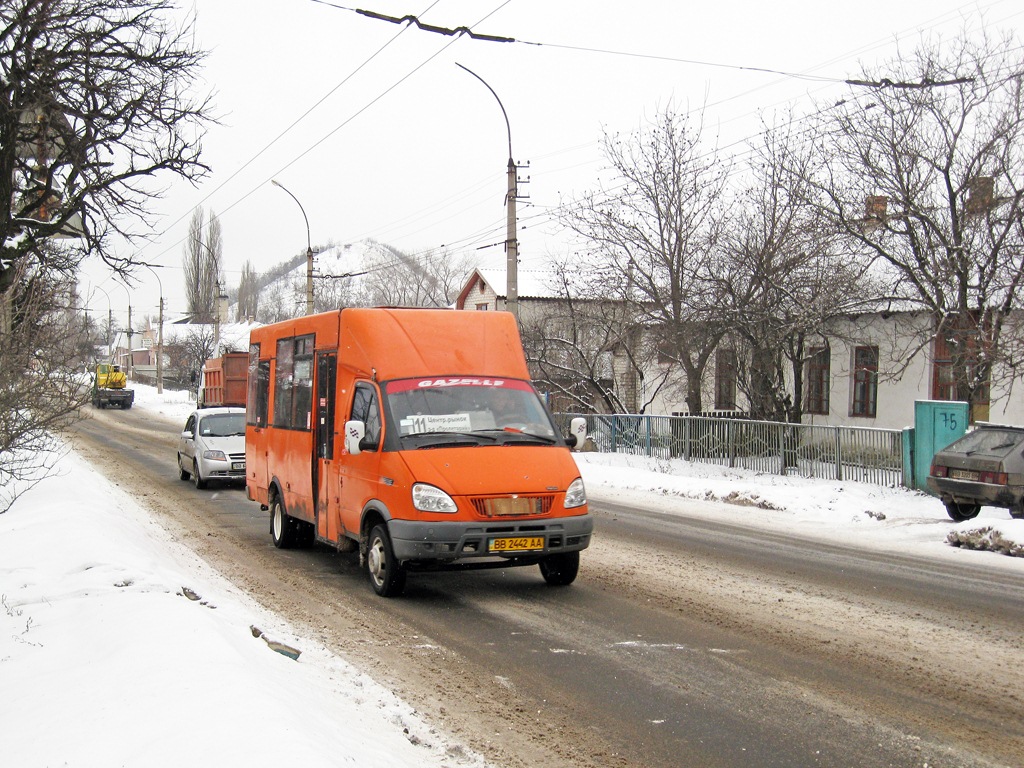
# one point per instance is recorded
(386, 574)
(962, 511)
(560, 570)
(182, 473)
(197, 478)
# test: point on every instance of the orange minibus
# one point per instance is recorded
(415, 437)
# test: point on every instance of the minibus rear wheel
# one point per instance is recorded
(282, 525)
(387, 575)
(560, 570)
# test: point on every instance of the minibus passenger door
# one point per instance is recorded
(258, 408)
(326, 503)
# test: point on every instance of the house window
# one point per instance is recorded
(944, 384)
(818, 376)
(483, 306)
(725, 380)
(865, 381)
(667, 353)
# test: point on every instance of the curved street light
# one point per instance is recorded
(511, 243)
(309, 249)
(110, 318)
(160, 333)
(128, 330)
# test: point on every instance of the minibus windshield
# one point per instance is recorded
(461, 407)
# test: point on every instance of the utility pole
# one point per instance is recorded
(129, 332)
(160, 332)
(216, 319)
(511, 242)
(160, 349)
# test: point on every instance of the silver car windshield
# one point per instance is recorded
(222, 425)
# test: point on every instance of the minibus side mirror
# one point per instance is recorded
(354, 432)
(577, 433)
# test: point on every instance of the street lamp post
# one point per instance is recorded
(110, 321)
(512, 193)
(160, 332)
(309, 250)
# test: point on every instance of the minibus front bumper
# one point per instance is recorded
(414, 541)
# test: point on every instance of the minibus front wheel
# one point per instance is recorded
(387, 575)
(560, 570)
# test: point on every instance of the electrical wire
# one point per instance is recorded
(468, 32)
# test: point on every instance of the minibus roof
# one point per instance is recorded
(397, 343)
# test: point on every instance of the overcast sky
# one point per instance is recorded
(378, 134)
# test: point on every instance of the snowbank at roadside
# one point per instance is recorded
(871, 516)
(120, 647)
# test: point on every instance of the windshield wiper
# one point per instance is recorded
(1003, 445)
(458, 438)
(529, 437)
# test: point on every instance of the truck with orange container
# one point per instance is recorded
(415, 437)
(223, 381)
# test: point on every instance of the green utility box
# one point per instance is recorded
(937, 423)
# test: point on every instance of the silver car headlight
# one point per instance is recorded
(429, 498)
(215, 455)
(575, 494)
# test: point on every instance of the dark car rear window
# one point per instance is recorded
(991, 442)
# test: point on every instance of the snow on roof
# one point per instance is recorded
(531, 283)
(234, 337)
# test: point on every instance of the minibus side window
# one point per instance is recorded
(293, 383)
(302, 383)
(283, 383)
(365, 409)
(258, 394)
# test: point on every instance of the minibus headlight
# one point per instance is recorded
(428, 498)
(575, 495)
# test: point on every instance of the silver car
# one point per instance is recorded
(212, 446)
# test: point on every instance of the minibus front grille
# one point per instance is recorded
(512, 506)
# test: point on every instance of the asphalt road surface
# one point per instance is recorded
(683, 642)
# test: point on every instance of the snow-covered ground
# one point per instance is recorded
(120, 647)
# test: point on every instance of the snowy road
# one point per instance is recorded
(683, 642)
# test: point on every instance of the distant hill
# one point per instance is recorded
(366, 273)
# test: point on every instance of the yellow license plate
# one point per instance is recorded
(516, 544)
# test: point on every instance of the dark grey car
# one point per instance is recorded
(984, 468)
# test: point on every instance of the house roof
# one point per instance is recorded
(531, 284)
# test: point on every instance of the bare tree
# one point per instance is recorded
(399, 279)
(94, 105)
(587, 351)
(96, 109)
(248, 293)
(40, 386)
(188, 356)
(783, 276)
(656, 235)
(201, 263)
(924, 177)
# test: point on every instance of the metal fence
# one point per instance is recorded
(837, 453)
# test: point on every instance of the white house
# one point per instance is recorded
(868, 374)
